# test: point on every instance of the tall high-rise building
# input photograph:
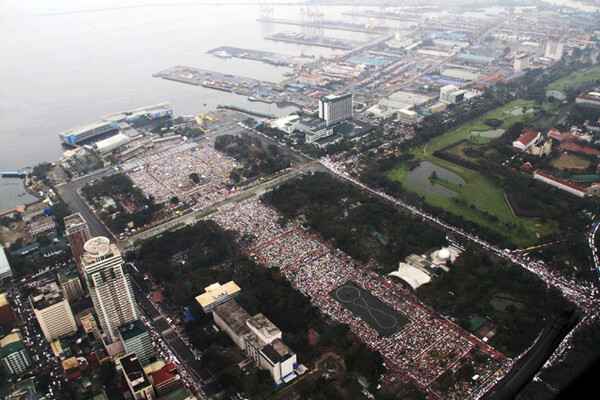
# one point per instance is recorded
(554, 50)
(53, 312)
(521, 62)
(14, 356)
(108, 286)
(136, 339)
(335, 108)
(70, 283)
(78, 234)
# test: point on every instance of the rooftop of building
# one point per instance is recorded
(310, 75)
(586, 178)
(593, 96)
(3, 300)
(578, 148)
(475, 58)
(66, 274)
(133, 370)
(70, 363)
(35, 208)
(90, 258)
(412, 275)
(74, 220)
(313, 123)
(46, 296)
(11, 343)
(115, 140)
(58, 346)
(328, 140)
(42, 221)
(85, 128)
(215, 291)
(276, 351)
(527, 136)
(565, 182)
(252, 340)
(164, 374)
(561, 136)
(234, 316)
(132, 329)
(179, 394)
(335, 97)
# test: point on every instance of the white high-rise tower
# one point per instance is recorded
(334, 108)
(109, 287)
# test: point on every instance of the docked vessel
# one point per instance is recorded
(75, 136)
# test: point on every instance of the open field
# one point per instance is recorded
(590, 74)
(570, 161)
(479, 200)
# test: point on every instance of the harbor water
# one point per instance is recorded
(68, 63)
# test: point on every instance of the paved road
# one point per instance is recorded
(68, 192)
(193, 217)
(177, 345)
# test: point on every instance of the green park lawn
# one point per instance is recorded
(479, 195)
(464, 131)
(583, 75)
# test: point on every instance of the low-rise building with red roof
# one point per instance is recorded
(561, 136)
(527, 139)
(576, 148)
(591, 99)
(562, 184)
(166, 379)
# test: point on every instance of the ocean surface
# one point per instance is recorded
(68, 63)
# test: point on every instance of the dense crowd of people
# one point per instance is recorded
(169, 176)
(423, 349)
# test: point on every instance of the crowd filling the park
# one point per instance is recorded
(196, 174)
(421, 345)
(423, 349)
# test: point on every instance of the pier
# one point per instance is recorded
(339, 25)
(13, 174)
(22, 173)
(247, 111)
(384, 15)
(210, 79)
(311, 40)
(259, 55)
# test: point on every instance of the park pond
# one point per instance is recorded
(419, 177)
(520, 111)
(494, 133)
(556, 94)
